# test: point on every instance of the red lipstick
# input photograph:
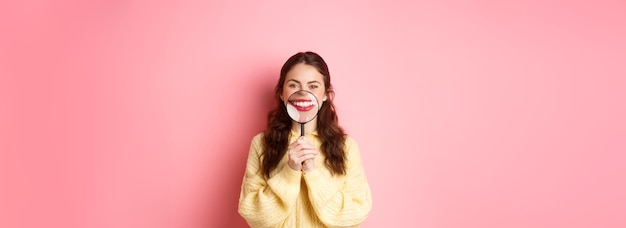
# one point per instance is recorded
(302, 105)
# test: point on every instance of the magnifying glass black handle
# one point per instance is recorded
(301, 129)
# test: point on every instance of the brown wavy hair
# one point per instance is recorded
(276, 135)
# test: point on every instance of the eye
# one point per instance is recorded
(314, 86)
(292, 85)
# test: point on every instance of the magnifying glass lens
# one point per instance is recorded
(302, 107)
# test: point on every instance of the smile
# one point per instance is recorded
(302, 105)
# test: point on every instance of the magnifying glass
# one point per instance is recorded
(302, 107)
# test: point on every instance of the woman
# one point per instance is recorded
(316, 180)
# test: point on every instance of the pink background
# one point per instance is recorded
(468, 113)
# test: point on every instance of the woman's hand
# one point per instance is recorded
(302, 155)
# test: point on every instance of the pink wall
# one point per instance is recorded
(468, 113)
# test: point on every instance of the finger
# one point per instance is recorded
(294, 144)
(307, 147)
(296, 148)
(305, 158)
(306, 143)
(308, 165)
(299, 140)
(302, 140)
(308, 151)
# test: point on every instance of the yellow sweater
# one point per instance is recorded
(293, 199)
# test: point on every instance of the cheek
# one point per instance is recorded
(288, 91)
(321, 97)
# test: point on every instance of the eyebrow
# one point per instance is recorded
(306, 83)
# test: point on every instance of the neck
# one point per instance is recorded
(309, 127)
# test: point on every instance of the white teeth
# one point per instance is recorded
(303, 103)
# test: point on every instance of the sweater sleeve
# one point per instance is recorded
(345, 203)
(267, 203)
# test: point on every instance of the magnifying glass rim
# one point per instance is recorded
(317, 105)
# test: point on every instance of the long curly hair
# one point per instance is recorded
(276, 135)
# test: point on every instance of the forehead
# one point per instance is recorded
(304, 73)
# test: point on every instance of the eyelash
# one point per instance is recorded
(296, 86)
